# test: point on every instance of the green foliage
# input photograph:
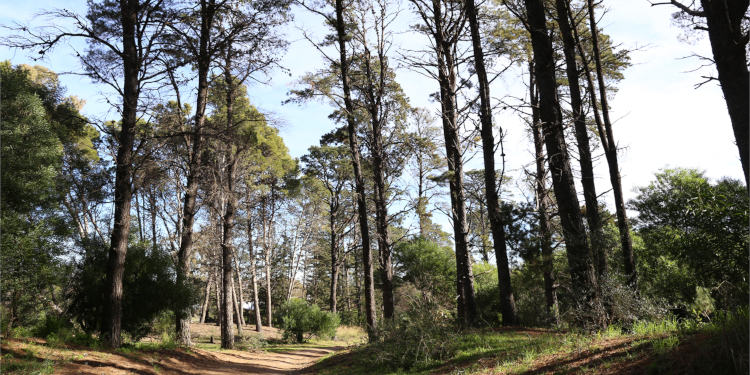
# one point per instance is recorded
(298, 318)
(695, 234)
(486, 292)
(419, 336)
(149, 288)
(430, 267)
(41, 132)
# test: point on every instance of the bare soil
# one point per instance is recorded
(73, 360)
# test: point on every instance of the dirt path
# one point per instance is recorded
(194, 361)
(201, 362)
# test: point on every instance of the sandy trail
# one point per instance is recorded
(199, 361)
(179, 361)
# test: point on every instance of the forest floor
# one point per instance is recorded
(37, 356)
(656, 348)
(540, 351)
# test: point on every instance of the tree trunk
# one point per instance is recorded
(334, 254)
(237, 309)
(593, 217)
(182, 313)
(138, 215)
(253, 268)
(507, 301)
(267, 265)
(111, 329)
(467, 309)
(610, 151)
(358, 179)
(241, 298)
(227, 336)
(728, 43)
(374, 107)
(152, 211)
(583, 275)
(206, 301)
(217, 281)
(543, 205)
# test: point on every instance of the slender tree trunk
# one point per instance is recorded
(237, 309)
(227, 336)
(358, 179)
(610, 151)
(241, 298)
(267, 265)
(138, 215)
(253, 268)
(111, 329)
(333, 208)
(189, 209)
(152, 211)
(217, 285)
(467, 309)
(374, 107)
(381, 222)
(507, 301)
(206, 301)
(593, 217)
(581, 267)
(728, 44)
(543, 204)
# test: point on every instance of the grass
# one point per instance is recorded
(669, 345)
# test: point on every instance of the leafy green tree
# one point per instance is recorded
(149, 283)
(429, 266)
(42, 133)
(695, 234)
(300, 318)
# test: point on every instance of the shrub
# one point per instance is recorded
(422, 334)
(148, 284)
(298, 318)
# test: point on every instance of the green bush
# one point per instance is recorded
(298, 318)
(421, 335)
(431, 268)
(149, 289)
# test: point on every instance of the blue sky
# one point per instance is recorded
(661, 120)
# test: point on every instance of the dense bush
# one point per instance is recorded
(298, 318)
(431, 268)
(422, 334)
(149, 288)
(695, 235)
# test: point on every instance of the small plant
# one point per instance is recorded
(666, 344)
(423, 334)
(298, 318)
(250, 342)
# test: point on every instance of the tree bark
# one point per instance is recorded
(240, 297)
(358, 179)
(593, 216)
(543, 204)
(217, 281)
(152, 211)
(267, 255)
(203, 60)
(334, 253)
(237, 309)
(467, 309)
(253, 268)
(227, 335)
(507, 301)
(583, 276)
(728, 43)
(206, 301)
(111, 329)
(610, 151)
